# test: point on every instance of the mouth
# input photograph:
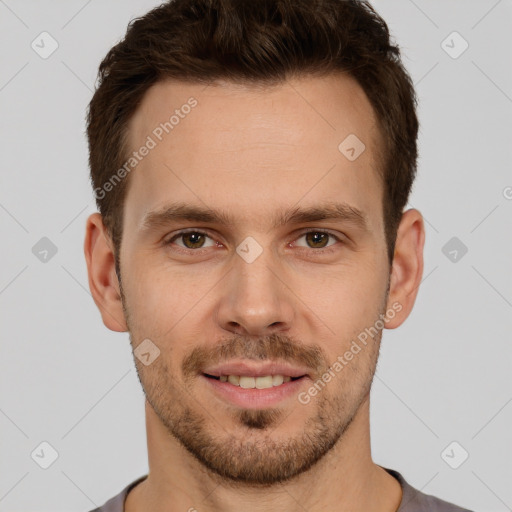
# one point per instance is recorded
(255, 385)
(252, 382)
(261, 390)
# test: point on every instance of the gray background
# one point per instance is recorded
(443, 376)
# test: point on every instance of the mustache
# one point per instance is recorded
(273, 347)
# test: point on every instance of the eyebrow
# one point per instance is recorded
(177, 212)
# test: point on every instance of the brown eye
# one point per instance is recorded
(317, 239)
(191, 240)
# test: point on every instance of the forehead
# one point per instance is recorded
(253, 149)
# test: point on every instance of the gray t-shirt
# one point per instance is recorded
(412, 499)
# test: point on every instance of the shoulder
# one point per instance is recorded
(116, 504)
(416, 501)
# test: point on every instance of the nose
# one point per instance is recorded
(255, 299)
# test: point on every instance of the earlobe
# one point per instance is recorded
(103, 282)
(407, 268)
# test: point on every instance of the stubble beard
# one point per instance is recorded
(249, 453)
(250, 448)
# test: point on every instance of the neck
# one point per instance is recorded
(346, 478)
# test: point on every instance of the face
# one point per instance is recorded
(287, 266)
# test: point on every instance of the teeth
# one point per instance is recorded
(264, 382)
(234, 379)
(277, 380)
(247, 382)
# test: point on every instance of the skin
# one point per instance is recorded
(253, 152)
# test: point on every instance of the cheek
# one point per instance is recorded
(351, 295)
(148, 294)
(350, 307)
(162, 301)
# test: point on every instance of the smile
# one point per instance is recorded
(249, 392)
(249, 382)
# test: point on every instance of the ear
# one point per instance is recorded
(103, 282)
(407, 268)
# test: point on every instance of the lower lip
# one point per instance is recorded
(254, 398)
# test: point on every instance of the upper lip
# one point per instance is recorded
(255, 370)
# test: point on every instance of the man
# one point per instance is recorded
(251, 160)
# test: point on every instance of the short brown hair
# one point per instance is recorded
(259, 42)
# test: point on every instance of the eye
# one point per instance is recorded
(317, 239)
(191, 240)
(195, 240)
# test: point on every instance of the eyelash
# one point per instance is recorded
(324, 250)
